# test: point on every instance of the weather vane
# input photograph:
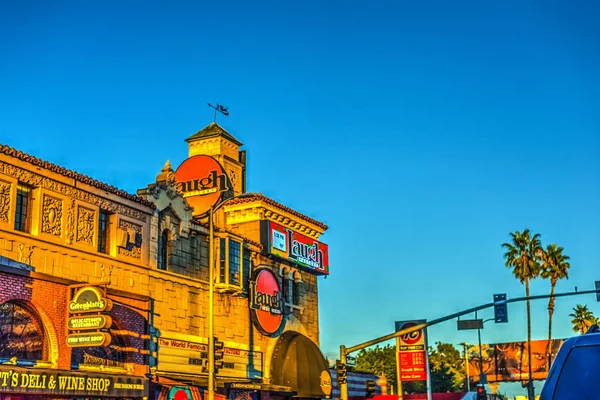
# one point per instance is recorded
(220, 109)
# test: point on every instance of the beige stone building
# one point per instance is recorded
(61, 232)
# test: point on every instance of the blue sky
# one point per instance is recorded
(422, 133)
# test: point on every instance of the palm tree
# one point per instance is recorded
(554, 267)
(582, 318)
(522, 255)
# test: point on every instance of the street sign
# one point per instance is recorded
(464, 324)
(351, 361)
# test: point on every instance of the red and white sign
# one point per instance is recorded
(266, 301)
(202, 181)
(412, 359)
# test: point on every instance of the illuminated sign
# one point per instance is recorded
(89, 322)
(295, 247)
(89, 300)
(177, 356)
(67, 383)
(266, 301)
(412, 360)
(202, 181)
(88, 339)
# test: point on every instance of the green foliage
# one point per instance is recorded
(446, 366)
(523, 255)
(582, 318)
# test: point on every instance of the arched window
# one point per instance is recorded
(163, 250)
(21, 333)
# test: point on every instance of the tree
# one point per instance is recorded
(378, 361)
(582, 318)
(522, 255)
(554, 267)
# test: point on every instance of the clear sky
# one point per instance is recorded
(421, 132)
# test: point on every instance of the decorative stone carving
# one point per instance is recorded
(4, 201)
(25, 253)
(85, 225)
(133, 248)
(58, 187)
(52, 215)
(70, 230)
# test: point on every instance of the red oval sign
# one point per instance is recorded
(266, 301)
(413, 337)
(202, 181)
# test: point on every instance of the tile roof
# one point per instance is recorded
(4, 149)
(212, 130)
(250, 197)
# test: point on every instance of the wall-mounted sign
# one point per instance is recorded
(89, 322)
(89, 299)
(192, 358)
(71, 384)
(202, 181)
(295, 247)
(88, 339)
(266, 301)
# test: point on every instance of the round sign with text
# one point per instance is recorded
(413, 337)
(201, 181)
(266, 301)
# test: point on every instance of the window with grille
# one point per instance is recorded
(21, 333)
(163, 250)
(104, 232)
(23, 208)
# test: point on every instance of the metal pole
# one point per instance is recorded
(343, 384)
(211, 316)
(467, 365)
(427, 369)
(480, 354)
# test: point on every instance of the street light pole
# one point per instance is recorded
(465, 347)
(211, 313)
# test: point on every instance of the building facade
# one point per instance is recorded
(112, 291)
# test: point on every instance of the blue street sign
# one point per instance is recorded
(351, 361)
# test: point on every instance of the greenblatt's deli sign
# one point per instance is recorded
(293, 246)
(67, 383)
(86, 319)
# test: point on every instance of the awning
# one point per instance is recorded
(298, 363)
(176, 390)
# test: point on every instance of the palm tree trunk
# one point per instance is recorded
(529, 386)
(550, 313)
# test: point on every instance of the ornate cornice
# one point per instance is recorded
(249, 212)
(38, 180)
(278, 209)
(18, 154)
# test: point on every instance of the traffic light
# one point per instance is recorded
(219, 353)
(370, 384)
(340, 371)
(500, 308)
(481, 395)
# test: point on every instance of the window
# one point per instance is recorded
(285, 286)
(23, 212)
(21, 333)
(203, 249)
(246, 267)
(297, 285)
(104, 232)
(234, 263)
(579, 375)
(163, 250)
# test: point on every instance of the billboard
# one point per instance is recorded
(412, 357)
(504, 362)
